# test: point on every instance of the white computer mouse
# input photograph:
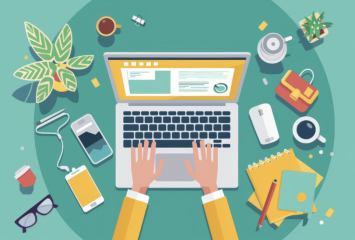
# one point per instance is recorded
(264, 123)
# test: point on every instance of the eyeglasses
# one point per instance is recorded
(44, 207)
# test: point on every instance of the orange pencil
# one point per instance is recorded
(267, 203)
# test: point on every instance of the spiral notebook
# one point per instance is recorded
(263, 173)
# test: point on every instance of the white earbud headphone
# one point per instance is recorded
(48, 120)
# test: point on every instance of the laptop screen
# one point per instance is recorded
(177, 79)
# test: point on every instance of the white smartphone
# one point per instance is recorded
(84, 188)
(91, 139)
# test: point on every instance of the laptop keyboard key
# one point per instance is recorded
(128, 119)
(167, 119)
(166, 134)
(181, 113)
(175, 135)
(198, 127)
(180, 127)
(130, 127)
(126, 113)
(189, 127)
(203, 119)
(153, 127)
(163, 113)
(224, 135)
(185, 135)
(135, 143)
(127, 143)
(171, 127)
(217, 127)
(226, 113)
(212, 135)
(194, 135)
(190, 113)
(136, 113)
(148, 119)
(208, 127)
(217, 141)
(144, 127)
(174, 143)
(172, 113)
(217, 145)
(199, 113)
(208, 113)
(145, 113)
(147, 135)
(176, 119)
(217, 113)
(139, 135)
(139, 119)
(162, 127)
(157, 135)
(185, 119)
(226, 145)
(226, 127)
(153, 113)
(128, 135)
(157, 119)
(203, 135)
(213, 119)
(224, 119)
(194, 119)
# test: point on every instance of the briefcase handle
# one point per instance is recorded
(312, 74)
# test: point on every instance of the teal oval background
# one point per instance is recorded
(201, 26)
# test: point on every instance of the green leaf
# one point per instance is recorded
(63, 45)
(305, 34)
(80, 62)
(326, 23)
(306, 26)
(317, 33)
(39, 42)
(44, 89)
(36, 71)
(314, 19)
(309, 21)
(67, 77)
(321, 16)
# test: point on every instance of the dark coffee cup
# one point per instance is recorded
(106, 26)
(306, 130)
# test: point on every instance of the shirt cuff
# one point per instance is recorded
(212, 196)
(137, 196)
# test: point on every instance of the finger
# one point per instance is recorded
(152, 151)
(203, 150)
(195, 151)
(145, 150)
(133, 157)
(190, 171)
(139, 152)
(215, 156)
(209, 152)
(159, 168)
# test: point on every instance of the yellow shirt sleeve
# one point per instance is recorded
(220, 220)
(130, 220)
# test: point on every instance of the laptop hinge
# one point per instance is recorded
(176, 104)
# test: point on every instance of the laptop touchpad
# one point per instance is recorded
(174, 167)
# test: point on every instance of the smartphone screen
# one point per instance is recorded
(91, 138)
(84, 188)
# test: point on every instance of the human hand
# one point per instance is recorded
(143, 169)
(206, 169)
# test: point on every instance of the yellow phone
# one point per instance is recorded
(84, 188)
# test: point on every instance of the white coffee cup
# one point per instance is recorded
(307, 130)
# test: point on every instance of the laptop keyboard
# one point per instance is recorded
(176, 129)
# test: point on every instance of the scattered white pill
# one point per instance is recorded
(332, 154)
(321, 222)
(22, 148)
(320, 151)
(265, 81)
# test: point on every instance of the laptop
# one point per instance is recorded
(174, 99)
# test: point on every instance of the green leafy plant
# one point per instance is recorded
(50, 75)
(314, 25)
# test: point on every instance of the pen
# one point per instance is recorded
(267, 203)
(50, 116)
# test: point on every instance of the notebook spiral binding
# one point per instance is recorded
(267, 160)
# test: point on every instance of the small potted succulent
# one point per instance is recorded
(314, 28)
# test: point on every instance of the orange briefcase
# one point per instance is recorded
(296, 91)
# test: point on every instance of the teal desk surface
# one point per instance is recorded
(191, 26)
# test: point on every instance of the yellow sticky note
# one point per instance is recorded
(95, 82)
(330, 212)
(262, 26)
